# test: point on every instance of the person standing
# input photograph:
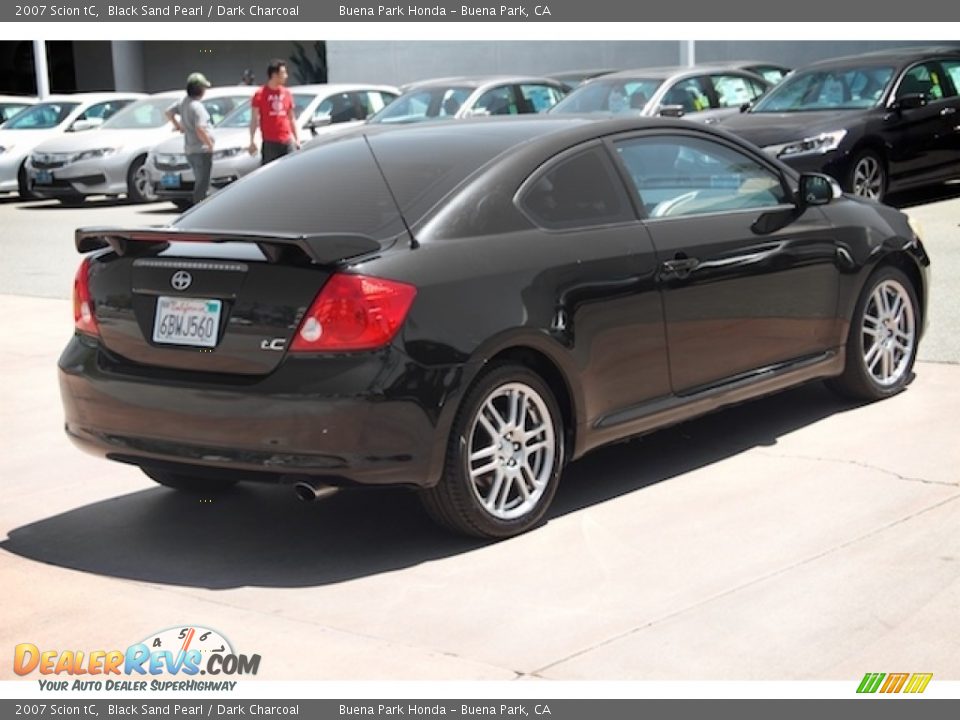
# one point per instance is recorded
(190, 117)
(273, 112)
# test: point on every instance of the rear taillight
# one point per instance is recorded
(84, 318)
(354, 312)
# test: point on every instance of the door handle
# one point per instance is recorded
(680, 267)
(948, 111)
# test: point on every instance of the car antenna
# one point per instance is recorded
(413, 241)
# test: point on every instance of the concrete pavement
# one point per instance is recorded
(796, 537)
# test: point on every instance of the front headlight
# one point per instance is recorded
(91, 154)
(228, 152)
(819, 144)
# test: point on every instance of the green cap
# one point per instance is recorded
(197, 79)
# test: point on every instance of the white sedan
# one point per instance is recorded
(55, 116)
(329, 107)
(110, 161)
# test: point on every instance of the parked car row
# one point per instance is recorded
(877, 123)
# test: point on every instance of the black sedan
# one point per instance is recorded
(463, 308)
(877, 123)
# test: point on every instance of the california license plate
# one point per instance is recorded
(44, 177)
(192, 322)
(170, 180)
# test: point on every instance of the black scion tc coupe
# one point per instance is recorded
(463, 308)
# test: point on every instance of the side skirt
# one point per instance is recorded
(661, 413)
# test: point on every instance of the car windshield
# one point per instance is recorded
(8, 110)
(41, 117)
(426, 104)
(834, 89)
(240, 117)
(609, 96)
(143, 114)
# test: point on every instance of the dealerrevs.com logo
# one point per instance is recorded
(185, 651)
(910, 683)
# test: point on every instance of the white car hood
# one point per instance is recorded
(101, 138)
(23, 141)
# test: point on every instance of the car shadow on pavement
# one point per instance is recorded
(262, 536)
(923, 196)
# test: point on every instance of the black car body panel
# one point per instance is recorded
(626, 344)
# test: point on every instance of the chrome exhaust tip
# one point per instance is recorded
(311, 490)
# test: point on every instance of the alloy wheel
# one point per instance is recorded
(868, 178)
(888, 333)
(511, 451)
(143, 185)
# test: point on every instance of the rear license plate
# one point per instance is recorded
(192, 322)
(44, 177)
(170, 180)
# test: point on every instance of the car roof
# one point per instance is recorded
(327, 88)
(896, 56)
(511, 131)
(675, 71)
(91, 97)
(30, 99)
(477, 81)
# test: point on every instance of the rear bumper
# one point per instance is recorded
(371, 418)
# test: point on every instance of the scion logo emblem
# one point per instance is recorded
(181, 280)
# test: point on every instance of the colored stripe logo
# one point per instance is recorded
(914, 683)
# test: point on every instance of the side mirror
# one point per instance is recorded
(674, 111)
(318, 121)
(911, 101)
(817, 189)
(86, 124)
(746, 106)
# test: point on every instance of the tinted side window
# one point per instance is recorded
(952, 69)
(677, 176)
(103, 110)
(498, 101)
(733, 90)
(582, 190)
(689, 95)
(923, 79)
(539, 98)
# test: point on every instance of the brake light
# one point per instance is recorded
(354, 312)
(84, 318)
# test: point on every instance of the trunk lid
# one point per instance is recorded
(207, 301)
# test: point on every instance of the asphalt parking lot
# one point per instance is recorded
(796, 537)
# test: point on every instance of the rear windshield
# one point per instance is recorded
(609, 96)
(334, 187)
(337, 187)
(426, 104)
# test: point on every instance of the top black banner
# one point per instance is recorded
(579, 11)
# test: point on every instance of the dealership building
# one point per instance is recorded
(153, 66)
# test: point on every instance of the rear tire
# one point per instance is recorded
(504, 457)
(139, 187)
(188, 483)
(883, 338)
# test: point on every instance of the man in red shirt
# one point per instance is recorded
(272, 111)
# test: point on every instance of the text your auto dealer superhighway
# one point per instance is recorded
(207, 11)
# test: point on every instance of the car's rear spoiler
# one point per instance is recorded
(322, 249)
